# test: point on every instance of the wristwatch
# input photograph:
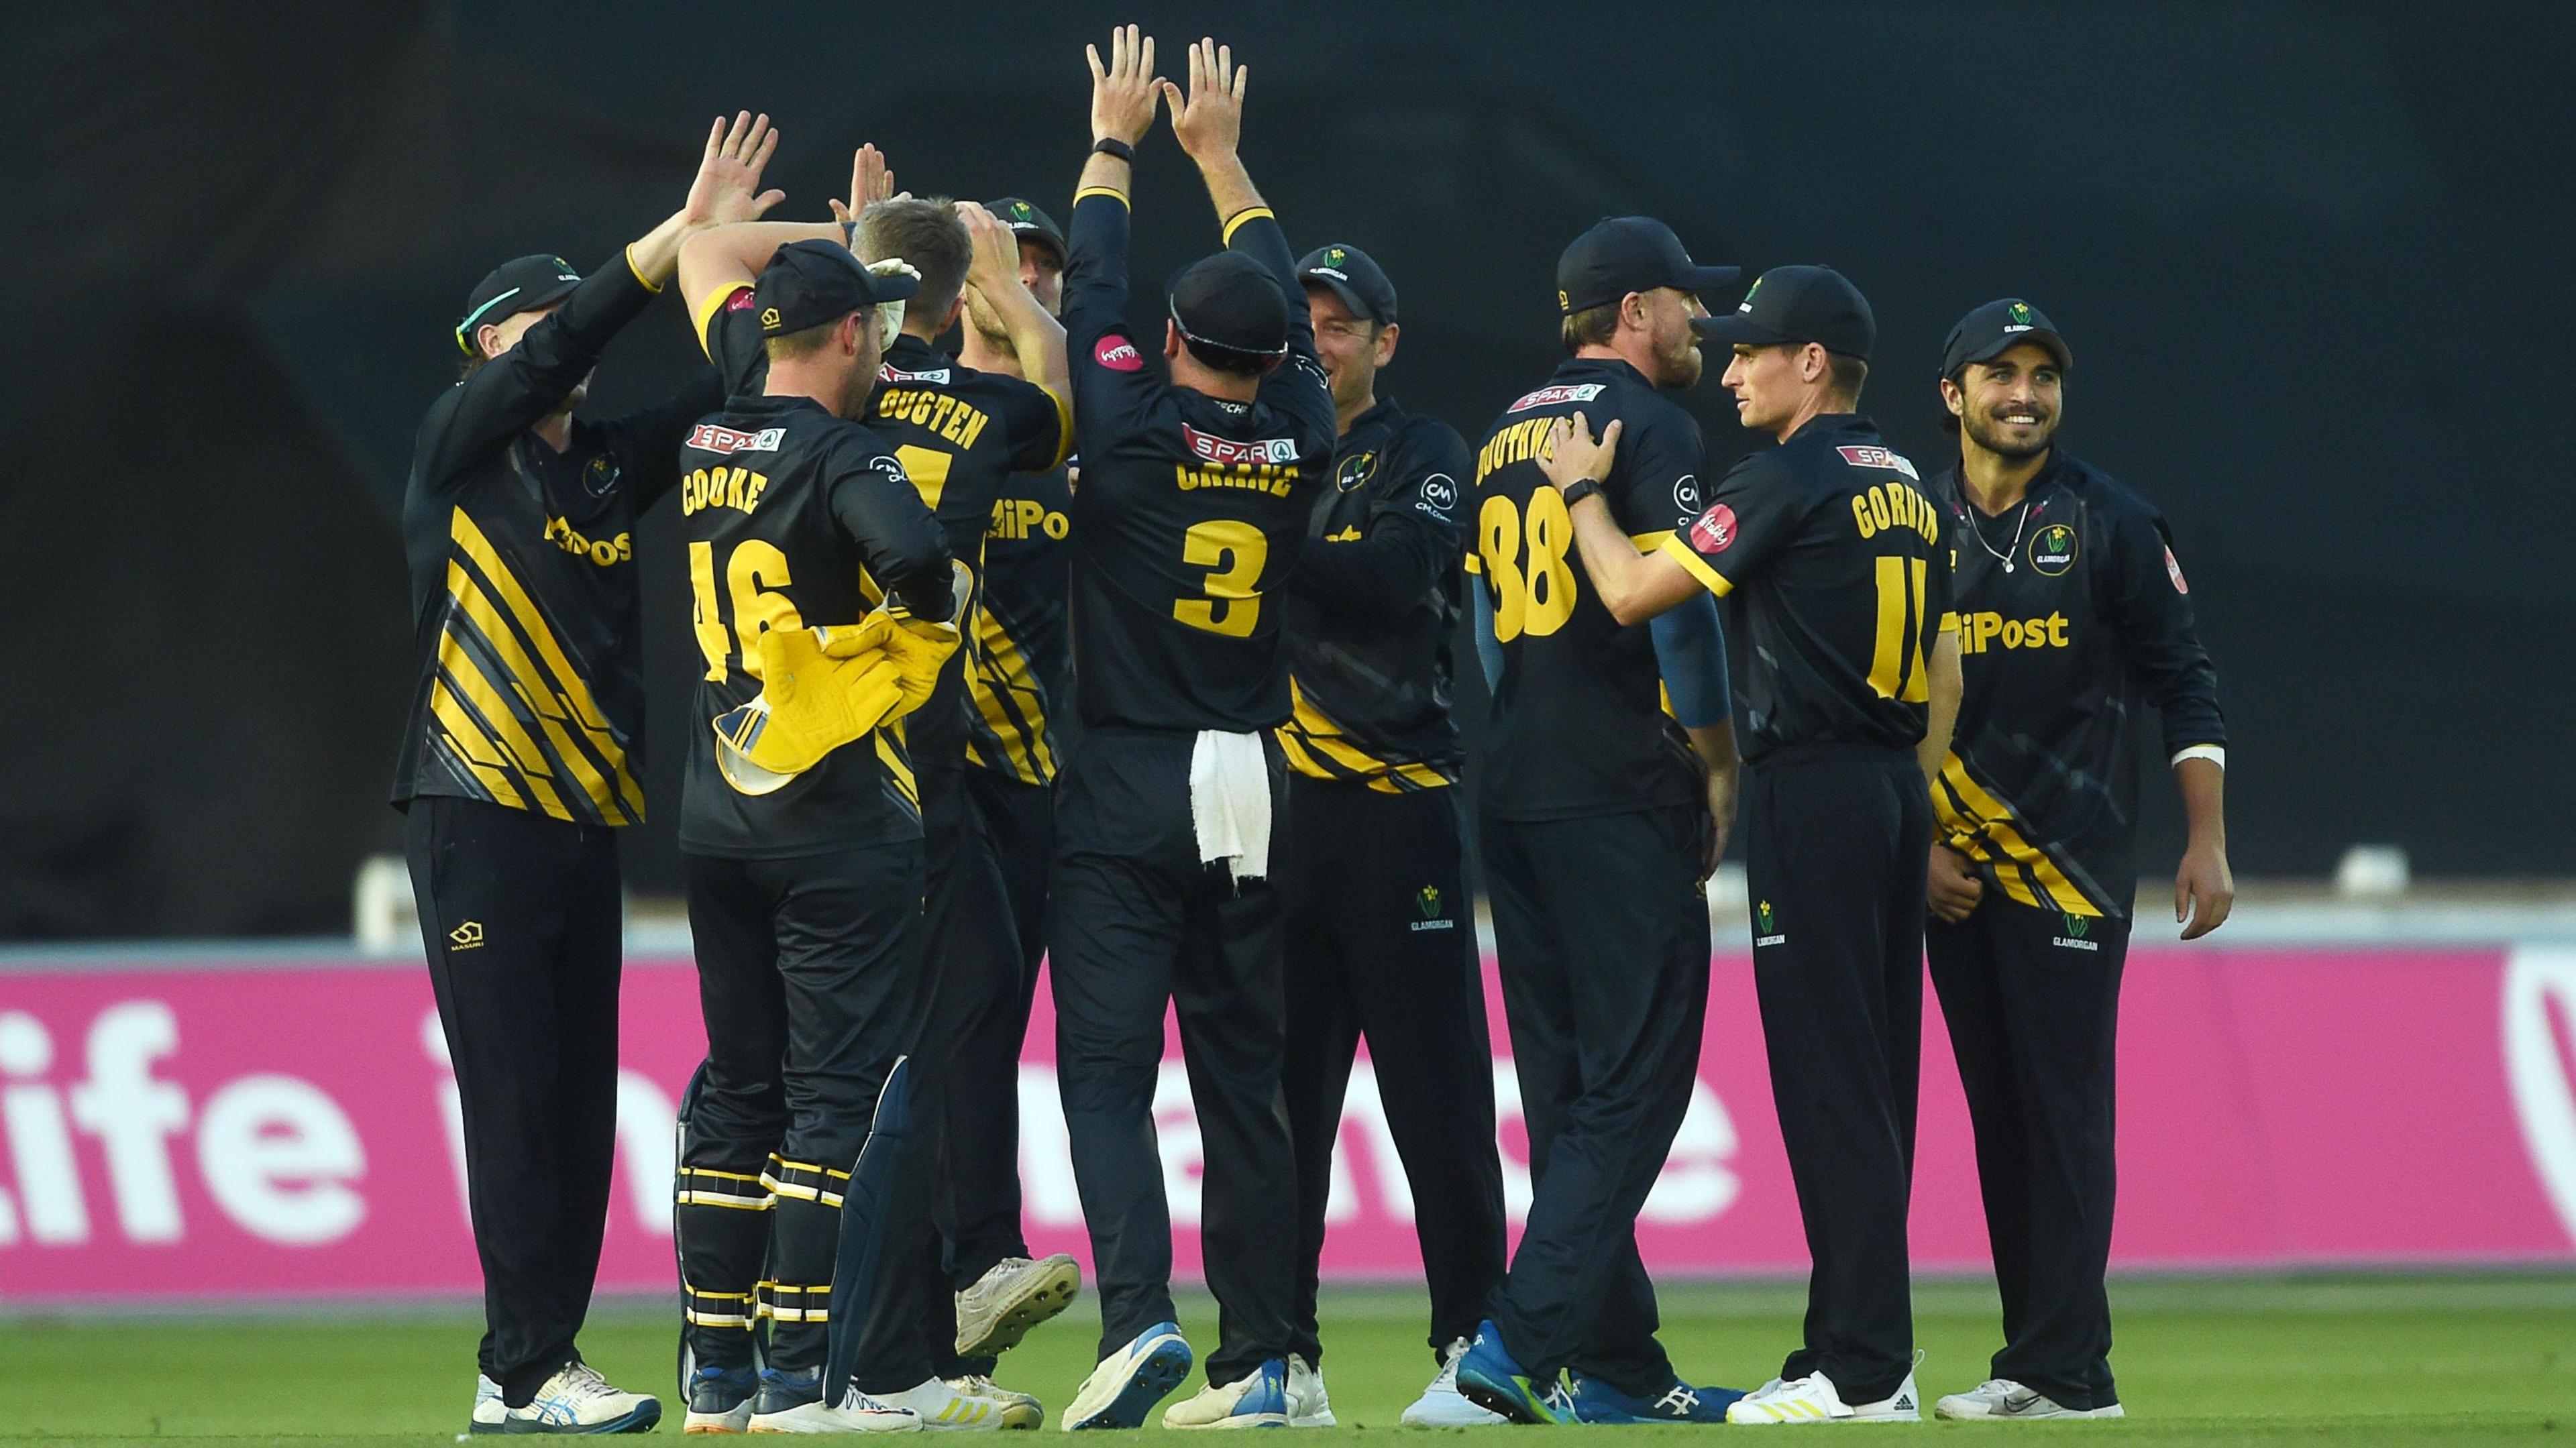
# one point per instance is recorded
(1580, 489)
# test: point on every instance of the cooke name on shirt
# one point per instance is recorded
(737, 488)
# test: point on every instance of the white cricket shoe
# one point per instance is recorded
(578, 1400)
(1258, 1399)
(1442, 1405)
(1309, 1405)
(1126, 1385)
(1019, 1410)
(1812, 1399)
(943, 1408)
(2004, 1398)
(780, 1410)
(490, 1413)
(1016, 1295)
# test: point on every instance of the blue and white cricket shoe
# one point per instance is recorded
(1490, 1379)
(1129, 1382)
(578, 1400)
(490, 1413)
(721, 1400)
(1258, 1399)
(1596, 1401)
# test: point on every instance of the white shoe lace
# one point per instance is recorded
(581, 1383)
(1446, 1380)
(854, 1401)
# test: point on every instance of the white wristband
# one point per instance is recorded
(2214, 753)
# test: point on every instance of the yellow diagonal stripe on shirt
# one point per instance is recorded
(530, 685)
(573, 689)
(1992, 819)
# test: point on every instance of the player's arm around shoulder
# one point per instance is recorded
(1633, 586)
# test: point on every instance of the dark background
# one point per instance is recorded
(2311, 258)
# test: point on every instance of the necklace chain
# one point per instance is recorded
(1977, 530)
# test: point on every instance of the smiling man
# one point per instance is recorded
(1380, 927)
(2073, 615)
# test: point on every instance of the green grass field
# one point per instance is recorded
(2400, 1360)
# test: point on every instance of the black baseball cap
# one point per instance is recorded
(1996, 328)
(1353, 277)
(1629, 254)
(1798, 304)
(523, 285)
(808, 283)
(1233, 303)
(1031, 224)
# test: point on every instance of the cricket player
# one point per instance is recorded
(2073, 616)
(1841, 565)
(805, 900)
(1192, 507)
(959, 433)
(1603, 816)
(1381, 931)
(1019, 662)
(519, 766)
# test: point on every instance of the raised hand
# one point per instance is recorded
(1123, 91)
(1573, 454)
(871, 181)
(993, 259)
(727, 188)
(1209, 120)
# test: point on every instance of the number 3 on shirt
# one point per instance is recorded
(1233, 551)
(1536, 597)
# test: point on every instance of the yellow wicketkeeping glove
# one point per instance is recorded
(919, 647)
(820, 688)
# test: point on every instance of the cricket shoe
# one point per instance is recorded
(793, 1403)
(1258, 1399)
(1489, 1378)
(1812, 1399)
(1441, 1404)
(1309, 1405)
(578, 1400)
(1016, 1295)
(943, 1408)
(489, 1411)
(1129, 1382)
(1596, 1401)
(1019, 1410)
(721, 1400)
(2002, 1398)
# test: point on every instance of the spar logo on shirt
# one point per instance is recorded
(1225, 452)
(1879, 457)
(707, 437)
(1562, 392)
